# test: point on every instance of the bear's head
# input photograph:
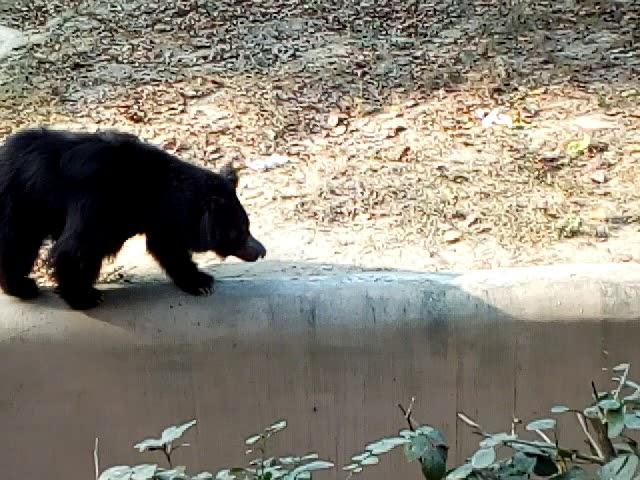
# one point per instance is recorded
(224, 225)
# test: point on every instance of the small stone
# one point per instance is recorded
(333, 120)
(602, 232)
(599, 176)
(452, 236)
(340, 130)
(599, 214)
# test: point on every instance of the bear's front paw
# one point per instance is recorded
(198, 284)
(85, 300)
(24, 288)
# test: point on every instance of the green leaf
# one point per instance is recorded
(463, 471)
(149, 444)
(623, 448)
(171, 434)
(621, 368)
(632, 384)
(545, 466)
(615, 422)
(483, 458)
(253, 440)
(497, 439)
(416, 448)
(609, 404)
(633, 399)
(436, 438)
(203, 476)
(559, 409)
(433, 463)
(591, 412)
(620, 468)
(578, 147)
(177, 473)
(544, 424)
(144, 472)
(277, 427)
(309, 467)
(574, 473)
(426, 430)
(361, 456)
(274, 473)
(120, 472)
(408, 434)
(519, 447)
(385, 445)
(225, 475)
(632, 421)
(523, 463)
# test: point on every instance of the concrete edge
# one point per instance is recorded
(272, 305)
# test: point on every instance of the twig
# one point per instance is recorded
(168, 455)
(544, 436)
(478, 430)
(623, 380)
(592, 441)
(407, 413)
(601, 429)
(96, 465)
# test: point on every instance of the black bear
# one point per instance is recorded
(90, 192)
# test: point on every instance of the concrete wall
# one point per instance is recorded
(332, 353)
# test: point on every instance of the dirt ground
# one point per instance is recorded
(457, 134)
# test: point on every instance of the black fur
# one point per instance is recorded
(90, 192)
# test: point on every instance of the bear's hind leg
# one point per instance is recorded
(19, 246)
(77, 265)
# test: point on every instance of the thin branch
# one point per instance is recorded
(407, 413)
(545, 437)
(592, 441)
(167, 454)
(96, 464)
(478, 430)
(623, 380)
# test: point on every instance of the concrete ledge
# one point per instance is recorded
(284, 301)
(331, 349)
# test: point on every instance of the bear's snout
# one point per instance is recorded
(252, 250)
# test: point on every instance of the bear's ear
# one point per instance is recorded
(230, 174)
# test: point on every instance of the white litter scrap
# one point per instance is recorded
(10, 39)
(268, 163)
(496, 117)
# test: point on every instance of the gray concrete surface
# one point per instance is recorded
(330, 348)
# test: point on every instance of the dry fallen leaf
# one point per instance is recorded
(452, 236)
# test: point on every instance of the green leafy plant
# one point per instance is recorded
(576, 148)
(420, 442)
(264, 467)
(612, 454)
(260, 468)
(570, 226)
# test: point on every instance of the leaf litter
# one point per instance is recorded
(361, 115)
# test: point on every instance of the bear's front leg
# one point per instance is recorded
(76, 269)
(177, 263)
